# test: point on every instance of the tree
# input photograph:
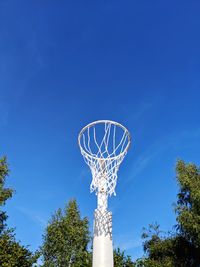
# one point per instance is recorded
(12, 253)
(120, 260)
(160, 249)
(66, 239)
(188, 204)
(181, 248)
(5, 193)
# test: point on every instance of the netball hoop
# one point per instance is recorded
(103, 144)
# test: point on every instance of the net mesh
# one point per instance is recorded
(103, 145)
(103, 223)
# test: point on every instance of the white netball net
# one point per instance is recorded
(104, 145)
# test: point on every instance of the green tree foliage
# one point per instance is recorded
(12, 253)
(66, 239)
(5, 193)
(188, 204)
(162, 250)
(120, 260)
(182, 248)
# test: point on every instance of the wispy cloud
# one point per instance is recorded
(138, 166)
(131, 244)
(142, 109)
(139, 111)
(168, 141)
(124, 242)
(3, 115)
(191, 134)
(34, 216)
(85, 173)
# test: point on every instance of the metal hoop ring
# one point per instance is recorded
(101, 122)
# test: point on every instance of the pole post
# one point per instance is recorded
(102, 239)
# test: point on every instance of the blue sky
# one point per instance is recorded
(64, 64)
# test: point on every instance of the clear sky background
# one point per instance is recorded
(64, 64)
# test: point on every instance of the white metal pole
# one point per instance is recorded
(102, 239)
